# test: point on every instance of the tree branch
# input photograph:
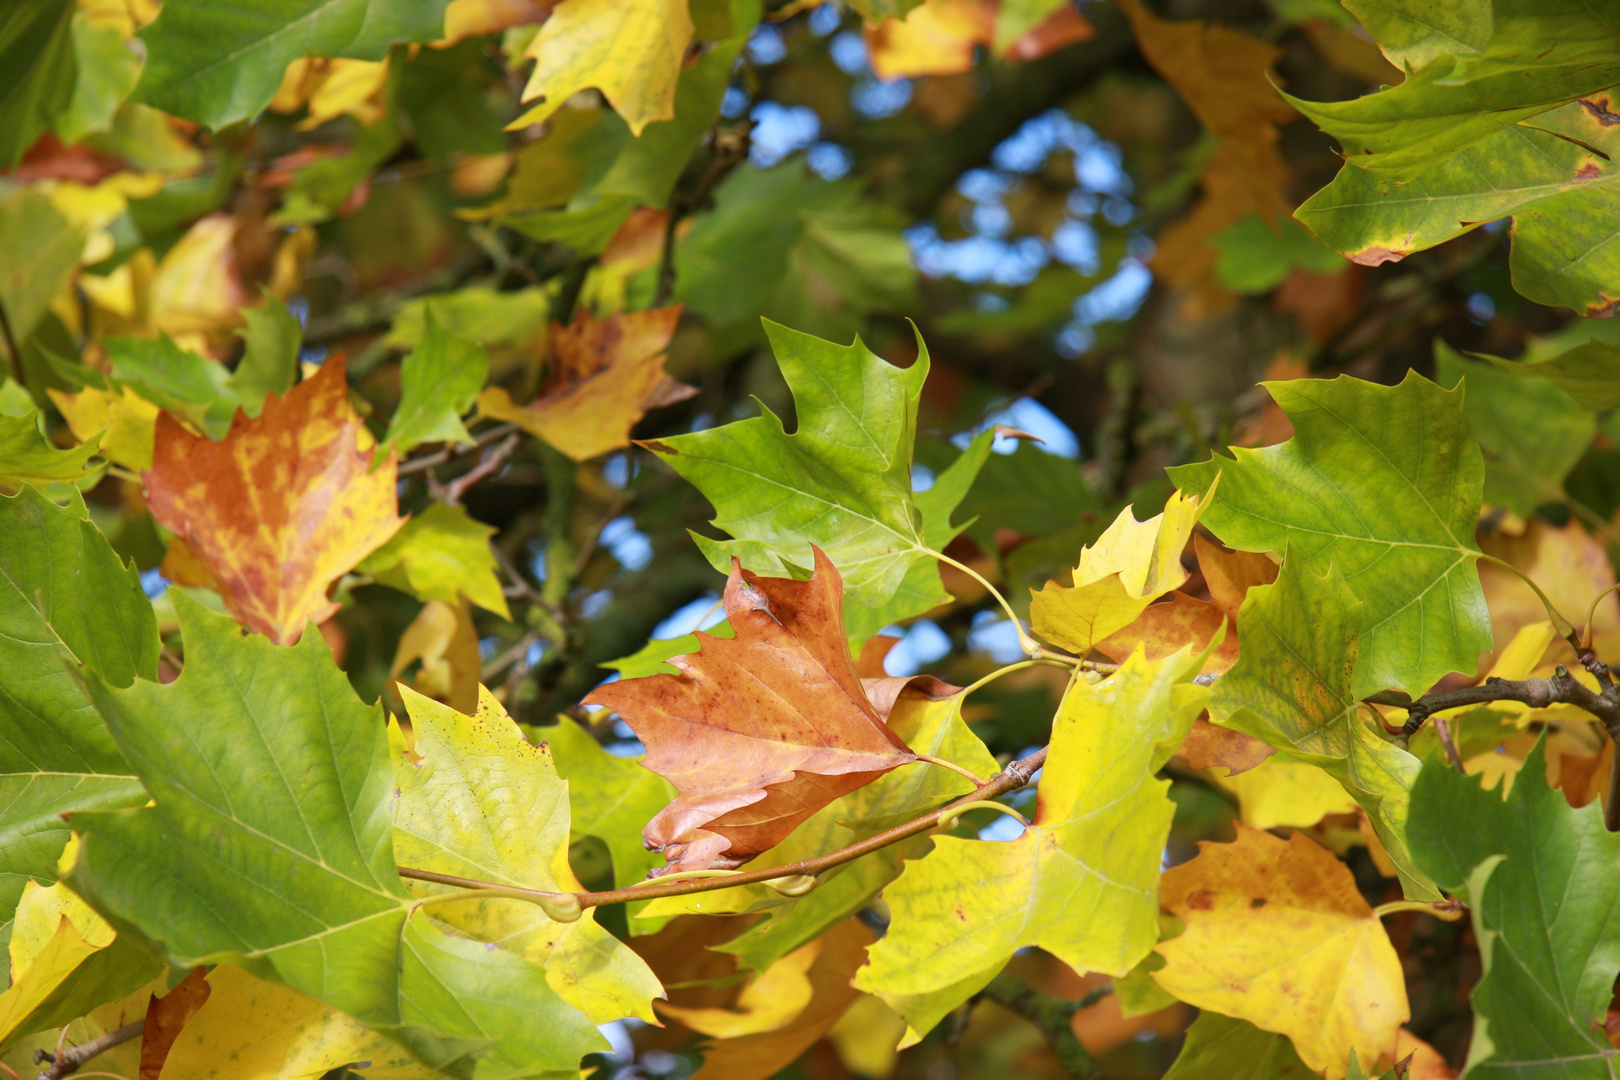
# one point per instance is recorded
(1053, 1015)
(1013, 777)
(430, 461)
(71, 1060)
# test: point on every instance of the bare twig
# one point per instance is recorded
(434, 460)
(70, 1060)
(1052, 1015)
(493, 462)
(1013, 777)
(725, 154)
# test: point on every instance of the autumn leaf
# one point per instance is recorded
(1130, 566)
(940, 37)
(1279, 792)
(760, 731)
(1278, 935)
(280, 508)
(631, 52)
(441, 554)
(1567, 564)
(166, 1016)
(126, 419)
(604, 375)
(444, 641)
(770, 1000)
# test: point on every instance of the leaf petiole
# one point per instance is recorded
(1025, 642)
(978, 782)
(1448, 910)
(948, 818)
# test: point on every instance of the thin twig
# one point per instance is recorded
(1013, 777)
(434, 460)
(725, 155)
(69, 1060)
(492, 463)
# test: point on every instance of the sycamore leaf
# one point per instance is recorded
(1235, 1050)
(166, 1016)
(269, 844)
(1278, 935)
(1291, 688)
(610, 797)
(266, 1031)
(604, 376)
(760, 731)
(937, 37)
(441, 554)
(287, 503)
(841, 482)
(1531, 433)
(1208, 745)
(770, 1000)
(1279, 792)
(202, 392)
(440, 378)
(1570, 567)
(1184, 620)
(630, 51)
(124, 419)
(1412, 32)
(1384, 482)
(37, 56)
(476, 799)
(1130, 566)
(66, 602)
(443, 639)
(27, 457)
(1081, 882)
(30, 223)
(1589, 373)
(1542, 882)
(219, 63)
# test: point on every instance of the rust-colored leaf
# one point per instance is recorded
(605, 374)
(282, 507)
(758, 731)
(166, 1016)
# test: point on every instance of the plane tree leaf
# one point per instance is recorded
(1540, 881)
(27, 457)
(1081, 882)
(1291, 689)
(441, 554)
(758, 731)
(67, 603)
(1384, 482)
(280, 508)
(610, 797)
(1589, 373)
(474, 798)
(269, 844)
(1225, 1046)
(440, 378)
(1277, 934)
(1410, 33)
(202, 392)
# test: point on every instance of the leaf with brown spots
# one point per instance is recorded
(1278, 935)
(605, 374)
(282, 507)
(758, 731)
(166, 1016)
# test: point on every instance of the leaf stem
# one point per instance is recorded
(942, 763)
(1016, 775)
(1560, 623)
(558, 906)
(1025, 642)
(948, 820)
(1448, 910)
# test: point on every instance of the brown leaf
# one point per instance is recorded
(1208, 745)
(758, 731)
(286, 504)
(604, 375)
(166, 1016)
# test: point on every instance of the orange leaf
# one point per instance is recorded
(282, 507)
(166, 1016)
(758, 731)
(935, 38)
(605, 374)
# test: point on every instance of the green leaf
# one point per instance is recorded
(1542, 882)
(216, 63)
(441, 554)
(474, 798)
(1081, 882)
(875, 11)
(1291, 688)
(27, 457)
(1033, 493)
(320, 189)
(1413, 32)
(66, 601)
(107, 69)
(438, 380)
(445, 92)
(477, 313)
(1384, 482)
(651, 658)
(1235, 1050)
(1532, 433)
(841, 482)
(270, 358)
(269, 845)
(37, 69)
(28, 222)
(1589, 373)
(612, 797)
(204, 392)
(1256, 256)
(1565, 252)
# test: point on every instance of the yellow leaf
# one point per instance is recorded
(1130, 566)
(1276, 793)
(254, 1030)
(443, 638)
(333, 88)
(630, 50)
(196, 290)
(126, 417)
(935, 38)
(472, 18)
(39, 919)
(1569, 566)
(282, 507)
(1278, 935)
(866, 1037)
(770, 1001)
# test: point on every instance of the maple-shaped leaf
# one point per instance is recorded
(1291, 688)
(1081, 882)
(1185, 620)
(1384, 482)
(1235, 1050)
(1589, 373)
(1542, 883)
(441, 554)
(282, 507)
(1130, 566)
(202, 392)
(758, 731)
(123, 419)
(27, 457)
(610, 797)
(1277, 934)
(603, 377)
(439, 380)
(474, 798)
